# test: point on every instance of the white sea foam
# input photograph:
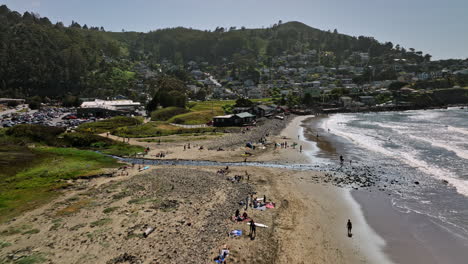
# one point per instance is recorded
(444, 145)
(426, 115)
(337, 123)
(458, 130)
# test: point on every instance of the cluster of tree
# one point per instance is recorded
(41, 58)
(169, 91)
(38, 57)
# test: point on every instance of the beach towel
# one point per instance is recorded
(270, 205)
(236, 233)
(261, 208)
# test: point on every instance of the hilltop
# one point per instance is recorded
(38, 57)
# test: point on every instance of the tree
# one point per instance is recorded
(243, 102)
(170, 92)
(292, 100)
(71, 100)
(307, 99)
(395, 86)
(427, 57)
(34, 102)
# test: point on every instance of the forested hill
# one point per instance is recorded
(182, 44)
(38, 57)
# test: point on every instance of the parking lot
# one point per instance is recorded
(50, 116)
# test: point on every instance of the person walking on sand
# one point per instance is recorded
(253, 231)
(300, 149)
(341, 159)
(349, 225)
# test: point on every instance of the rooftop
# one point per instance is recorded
(244, 115)
(112, 105)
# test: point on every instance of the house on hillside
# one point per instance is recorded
(367, 100)
(254, 92)
(346, 101)
(264, 110)
(238, 110)
(241, 119)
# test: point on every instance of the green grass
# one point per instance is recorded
(194, 118)
(110, 209)
(123, 150)
(156, 129)
(203, 112)
(100, 222)
(166, 113)
(109, 124)
(4, 244)
(23, 229)
(185, 137)
(143, 200)
(217, 105)
(32, 178)
(32, 259)
(76, 227)
(31, 232)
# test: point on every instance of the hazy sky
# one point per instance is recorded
(433, 26)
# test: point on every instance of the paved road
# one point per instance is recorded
(189, 126)
(14, 110)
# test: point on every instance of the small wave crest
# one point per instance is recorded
(338, 125)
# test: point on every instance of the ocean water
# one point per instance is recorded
(428, 147)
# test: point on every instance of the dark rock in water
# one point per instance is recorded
(445, 181)
(416, 182)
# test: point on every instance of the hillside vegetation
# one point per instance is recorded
(41, 58)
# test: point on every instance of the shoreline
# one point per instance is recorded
(192, 204)
(410, 237)
(366, 243)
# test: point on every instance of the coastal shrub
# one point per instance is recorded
(36, 133)
(83, 140)
(166, 113)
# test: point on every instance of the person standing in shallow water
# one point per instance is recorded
(349, 225)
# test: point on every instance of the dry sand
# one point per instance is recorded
(102, 220)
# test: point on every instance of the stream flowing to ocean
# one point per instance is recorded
(422, 157)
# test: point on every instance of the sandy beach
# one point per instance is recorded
(189, 208)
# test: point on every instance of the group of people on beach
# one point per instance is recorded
(285, 145)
